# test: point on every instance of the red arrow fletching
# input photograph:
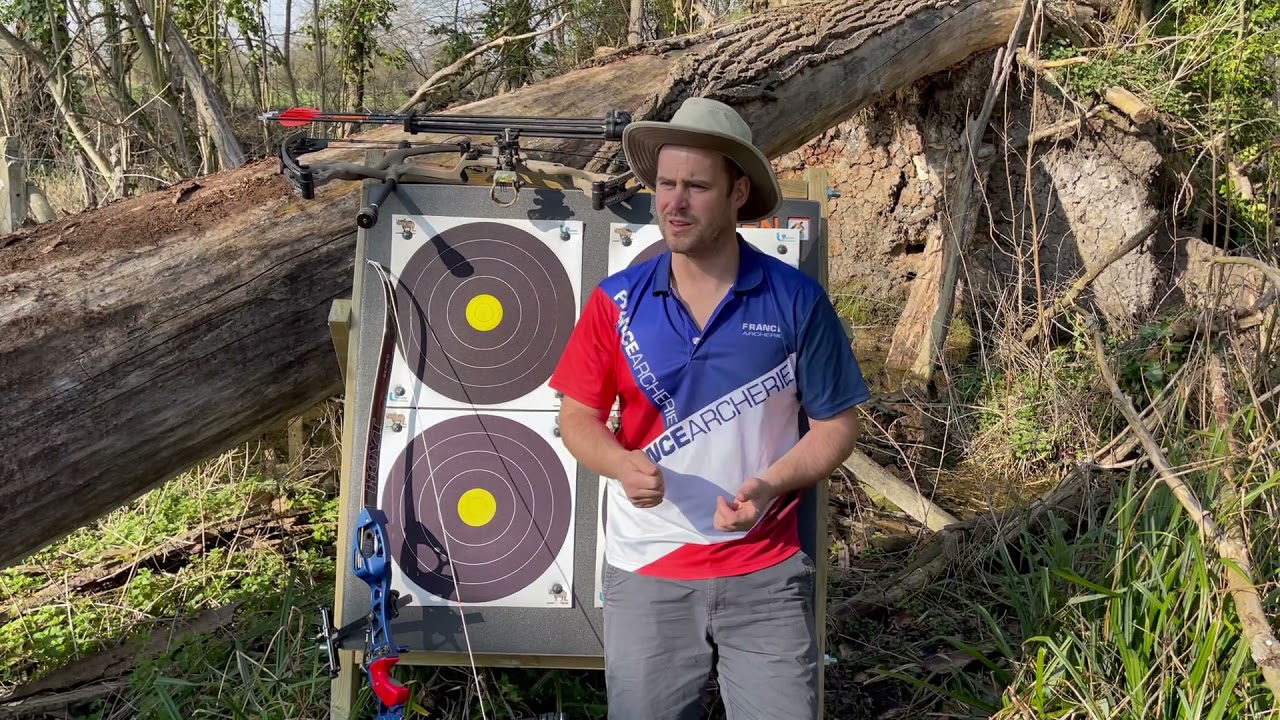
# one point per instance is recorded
(294, 117)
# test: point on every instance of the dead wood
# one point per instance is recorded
(113, 662)
(921, 332)
(1129, 104)
(907, 498)
(154, 335)
(1069, 297)
(43, 706)
(1230, 547)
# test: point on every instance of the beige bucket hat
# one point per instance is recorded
(710, 124)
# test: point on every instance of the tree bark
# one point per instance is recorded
(635, 23)
(147, 335)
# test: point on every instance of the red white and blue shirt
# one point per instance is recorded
(711, 408)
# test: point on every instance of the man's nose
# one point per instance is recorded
(679, 196)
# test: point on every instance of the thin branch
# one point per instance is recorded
(461, 62)
(1272, 273)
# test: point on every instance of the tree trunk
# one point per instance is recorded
(147, 335)
(635, 24)
(287, 60)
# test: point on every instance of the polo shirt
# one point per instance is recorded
(711, 407)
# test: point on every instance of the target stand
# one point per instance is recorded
(471, 466)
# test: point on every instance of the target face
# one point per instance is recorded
(634, 244)
(484, 310)
(480, 509)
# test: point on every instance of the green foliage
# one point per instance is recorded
(43, 23)
(1119, 611)
(1138, 67)
(1147, 364)
(76, 624)
(1030, 415)
(1209, 67)
(354, 26)
(1132, 623)
(1226, 63)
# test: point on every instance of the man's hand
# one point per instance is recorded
(744, 511)
(642, 480)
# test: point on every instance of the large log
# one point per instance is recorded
(144, 336)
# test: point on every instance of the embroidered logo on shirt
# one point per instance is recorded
(761, 330)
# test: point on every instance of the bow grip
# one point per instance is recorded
(369, 554)
(390, 692)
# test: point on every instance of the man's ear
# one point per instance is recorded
(741, 189)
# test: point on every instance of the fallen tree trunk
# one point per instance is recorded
(142, 337)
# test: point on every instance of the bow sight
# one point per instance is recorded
(503, 159)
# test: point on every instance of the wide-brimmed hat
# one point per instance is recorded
(713, 125)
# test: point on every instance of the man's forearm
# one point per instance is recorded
(815, 456)
(591, 442)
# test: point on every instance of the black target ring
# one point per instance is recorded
(654, 249)
(477, 455)
(519, 278)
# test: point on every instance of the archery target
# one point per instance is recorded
(634, 244)
(484, 309)
(480, 508)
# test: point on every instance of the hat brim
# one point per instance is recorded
(642, 140)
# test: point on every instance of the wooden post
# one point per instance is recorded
(13, 185)
(816, 178)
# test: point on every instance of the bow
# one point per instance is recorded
(369, 554)
(503, 159)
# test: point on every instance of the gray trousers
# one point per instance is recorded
(663, 637)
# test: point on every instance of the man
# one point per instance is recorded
(712, 351)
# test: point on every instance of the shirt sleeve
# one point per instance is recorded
(585, 371)
(827, 373)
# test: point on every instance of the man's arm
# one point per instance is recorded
(828, 443)
(831, 386)
(589, 439)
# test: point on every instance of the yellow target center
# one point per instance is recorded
(484, 312)
(477, 507)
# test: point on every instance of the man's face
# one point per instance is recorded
(697, 202)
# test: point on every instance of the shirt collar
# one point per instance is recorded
(750, 271)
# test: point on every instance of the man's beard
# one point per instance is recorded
(696, 239)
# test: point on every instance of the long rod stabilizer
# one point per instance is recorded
(606, 127)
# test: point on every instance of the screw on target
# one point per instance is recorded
(503, 159)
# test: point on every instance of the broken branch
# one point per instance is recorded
(1129, 104)
(920, 508)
